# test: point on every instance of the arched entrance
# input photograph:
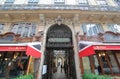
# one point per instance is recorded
(59, 53)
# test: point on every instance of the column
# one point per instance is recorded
(77, 62)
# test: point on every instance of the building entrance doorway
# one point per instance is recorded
(59, 54)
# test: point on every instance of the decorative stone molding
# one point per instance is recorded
(67, 21)
(107, 36)
(38, 36)
(59, 20)
(42, 19)
(50, 21)
(9, 37)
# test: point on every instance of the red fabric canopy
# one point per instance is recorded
(87, 51)
(34, 50)
(90, 50)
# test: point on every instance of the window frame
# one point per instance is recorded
(117, 2)
(33, 1)
(57, 2)
(83, 2)
(93, 29)
(114, 28)
(2, 25)
(102, 2)
(9, 1)
(23, 26)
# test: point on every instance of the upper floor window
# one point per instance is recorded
(92, 29)
(101, 2)
(9, 1)
(33, 1)
(114, 27)
(1, 27)
(59, 1)
(83, 1)
(117, 1)
(24, 29)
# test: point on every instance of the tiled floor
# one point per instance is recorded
(59, 74)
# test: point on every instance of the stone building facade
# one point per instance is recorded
(60, 25)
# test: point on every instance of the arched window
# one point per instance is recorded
(114, 27)
(92, 29)
(24, 29)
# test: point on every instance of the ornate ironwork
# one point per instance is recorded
(58, 32)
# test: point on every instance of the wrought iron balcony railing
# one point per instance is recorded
(59, 7)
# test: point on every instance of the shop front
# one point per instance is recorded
(18, 59)
(100, 58)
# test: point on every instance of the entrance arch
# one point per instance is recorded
(59, 44)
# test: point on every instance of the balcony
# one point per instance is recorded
(59, 7)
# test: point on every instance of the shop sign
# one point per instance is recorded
(13, 48)
(106, 47)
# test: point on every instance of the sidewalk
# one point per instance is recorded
(59, 74)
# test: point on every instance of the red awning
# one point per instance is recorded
(87, 51)
(32, 49)
(90, 50)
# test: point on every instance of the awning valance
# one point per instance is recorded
(12, 48)
(32, 49)
(106, 47)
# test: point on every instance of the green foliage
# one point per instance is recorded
(93, 76)
(29, 76)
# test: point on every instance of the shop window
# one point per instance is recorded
(94, 63)
(1, 27)
(92, 29)
(33, 1)
(9, 1)
(113, 62)
(114, 28)
(86, 65)
(24, 29)
(83, 1)
(59, 1)
(13, 64)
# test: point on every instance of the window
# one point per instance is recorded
(59, 1)
(9, 1)
(114, 28)
(83, 1)
(24, 29)
(117, 1)
(33, 1)
(92, 29)
(1, 27)
(101, 2)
